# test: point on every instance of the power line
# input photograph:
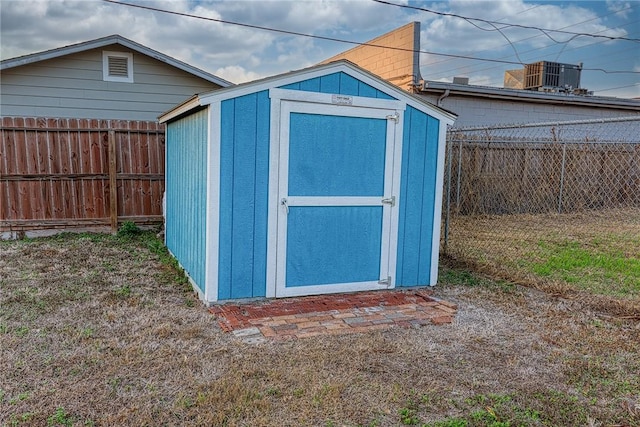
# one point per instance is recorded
(565, 44)
(545, 31)
(614, 88)
(295, 33)
(539, 35)
(502, 34)
(333, 39)
(447, 71)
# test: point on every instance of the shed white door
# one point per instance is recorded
(337, 229)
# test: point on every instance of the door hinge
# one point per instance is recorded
(386, 281)
(389, 201)
(395, 117)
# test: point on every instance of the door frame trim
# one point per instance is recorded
(395, 136)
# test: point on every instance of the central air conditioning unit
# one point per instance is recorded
(552, 76)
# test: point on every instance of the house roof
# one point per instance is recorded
(107, 41)
(304, 74)
(528, 95)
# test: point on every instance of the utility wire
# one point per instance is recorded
(333, 39)
(445, 72)
(562, 28)
(544, 31)
(565, 44)
(502, 34)
(295, 33)
(509, 41)
(614, 88)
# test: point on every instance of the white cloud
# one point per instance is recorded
(457, 36)
(237, 74)
(620, 8)
(35, 25)
(462, 36)
(312, 16)
(238, 53)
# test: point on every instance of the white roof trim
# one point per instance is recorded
(188, 105)
(106, 41)
(313, 72)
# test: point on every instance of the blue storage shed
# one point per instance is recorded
(322, 180)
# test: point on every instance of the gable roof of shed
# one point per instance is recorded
(107, 41)
(345, 66)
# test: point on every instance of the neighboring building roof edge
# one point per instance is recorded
(340, 65)
(106, 41)
(527, 95)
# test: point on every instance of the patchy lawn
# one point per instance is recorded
(597, 252)
(102, 330)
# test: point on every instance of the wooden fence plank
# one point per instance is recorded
(113, 195)
(4, 186)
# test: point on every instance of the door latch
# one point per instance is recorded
(283, 202)
(395, 117)
(389, 201)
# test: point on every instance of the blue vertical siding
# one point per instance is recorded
(244, 179)
(261, 178)
(340, 83)
(186, 178)
(417, 192)
(311, 85)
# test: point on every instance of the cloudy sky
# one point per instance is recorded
(240, 54)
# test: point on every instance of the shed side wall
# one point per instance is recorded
(186, 178)
(244, 190)
(73, 87)
(417, 194)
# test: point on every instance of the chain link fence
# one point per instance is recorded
(513, 191)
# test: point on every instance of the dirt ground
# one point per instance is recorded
(101, 330)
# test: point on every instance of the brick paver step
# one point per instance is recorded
(302, 317)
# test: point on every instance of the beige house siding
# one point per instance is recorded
(400, 67)
(514, 79)
(72, 86)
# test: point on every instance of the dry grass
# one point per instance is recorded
(100, 330)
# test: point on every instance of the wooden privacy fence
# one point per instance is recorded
(61, 173)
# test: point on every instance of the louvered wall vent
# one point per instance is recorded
(117, 67)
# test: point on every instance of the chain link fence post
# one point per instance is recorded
(562, 170)
(448, 197)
